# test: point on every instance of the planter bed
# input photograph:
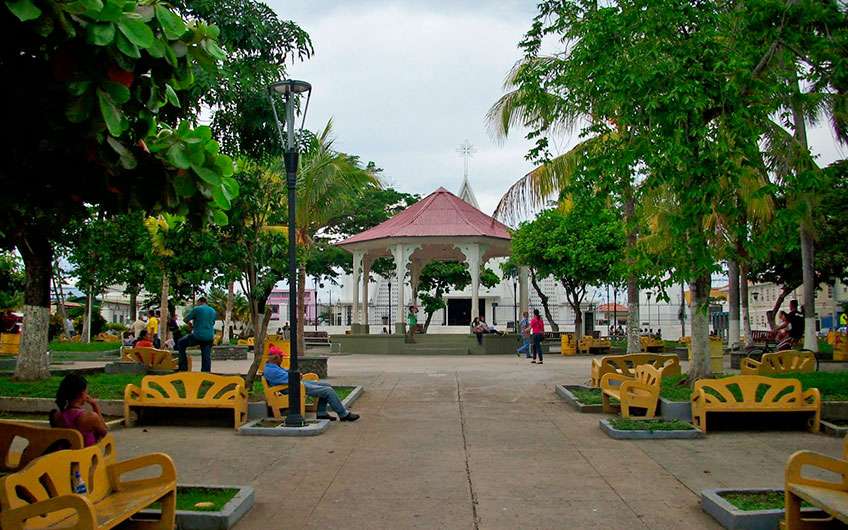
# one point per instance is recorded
(349, 394)
(837, 428)
(654, 429)
(570, 392)
(751, 509)
(241, 499)
(274, 427)
(675, 410)
(835, 410)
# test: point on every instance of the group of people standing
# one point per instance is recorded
(532, 332)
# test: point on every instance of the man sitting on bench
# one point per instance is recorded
(275, 375)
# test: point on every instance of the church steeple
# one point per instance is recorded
(465, 191)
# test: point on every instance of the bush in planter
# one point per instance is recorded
(116, 326)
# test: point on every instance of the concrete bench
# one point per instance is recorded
(781, 395)
(827, 495)
(199, 391)
(41, 495)
(780, 363)
(626, 365)
(153, 359)
(39, 441)
(641, 391)
(277, 397)
(589, 344)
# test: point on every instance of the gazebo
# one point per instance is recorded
(440, 227)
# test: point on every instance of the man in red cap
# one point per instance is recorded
(275, 375)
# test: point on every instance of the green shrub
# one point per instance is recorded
(115, 326)
(628, 424)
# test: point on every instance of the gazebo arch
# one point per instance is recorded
(440, 227)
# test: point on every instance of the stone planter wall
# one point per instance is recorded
(675, 410)
(229, 353)
(317, 365)
(227, 518)
(733, 518)
(835, 410)
(617, 434)
(564, 391)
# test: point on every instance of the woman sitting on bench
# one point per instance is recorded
(71, 398)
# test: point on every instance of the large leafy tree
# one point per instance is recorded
(438, 278)
(580, 247)
(95, 98)
(11, 281)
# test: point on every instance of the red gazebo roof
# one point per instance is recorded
(440, 214)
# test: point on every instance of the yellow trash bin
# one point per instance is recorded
(567, 345)
(716, 354)
(10, 343)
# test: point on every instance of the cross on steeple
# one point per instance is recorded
(467, 151)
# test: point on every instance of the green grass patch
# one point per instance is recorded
(751, 501)
(675, 388)
(832, 385)
(627, 424)
(101, 386)
(187, 497)
(57, 346)
(589, 396)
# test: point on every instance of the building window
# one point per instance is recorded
(275, 309)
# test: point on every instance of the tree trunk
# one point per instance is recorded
(733, 332)
(747, 335)
(301, 309)
(60, 299)
(634, 344)
(228, 314)
(544, 299)
(86, 320)
(163, 310)
(37, 254)
(133, 305)
(807, 265)
(578, 321)
(700, 296)
(258, 344)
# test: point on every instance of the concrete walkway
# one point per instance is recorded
(471, 442)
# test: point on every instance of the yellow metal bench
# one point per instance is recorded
(277, 397)
(781, 395)
(651, 344)
(41, 495)
(588, 343)
(780, 363)
(153, 359)
(199, 390)
(830, 496)
(641, 391)
(39, 441)
(666, 364)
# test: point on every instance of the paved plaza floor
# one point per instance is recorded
(470, 442)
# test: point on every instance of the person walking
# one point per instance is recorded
(153, 327)
(412, 323)
(537, 328)
(201, 320)
(524, 330)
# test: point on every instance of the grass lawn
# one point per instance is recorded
(832, 385)
(748, 501)
(627, 424)
(587, 397)
(188, 497)
(57, 346)
(101, 386)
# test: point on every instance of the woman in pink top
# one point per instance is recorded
(71, 398)
(537, 328)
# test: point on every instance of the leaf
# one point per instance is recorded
(112, 115)
(79, 110)
(177, 156)
(25, 10)
(111, 12)
(128, 161)
(157, 49)
(171, 96)
(136, 31)
(119, 93)
(172, 25)
(101, 33)
(220, 198)
(91, 6)
(127, 48)
(211, 47)
(78, 88)
(224, 165)
(220, 218)
(183, 185)
(207, 175)
(231, 187)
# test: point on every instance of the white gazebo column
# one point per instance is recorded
(414, 276)
(523, 292)
(402, 254)
(357, 272)
(366, 273)
(473, 254)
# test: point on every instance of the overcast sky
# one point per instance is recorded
(407, 82)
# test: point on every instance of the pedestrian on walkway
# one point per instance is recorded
(537, 328)
(201, 319)
(524, 330)
(412, 323)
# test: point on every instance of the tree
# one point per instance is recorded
(579, 248)
(97, 88)
(12, 281)
(438, 278)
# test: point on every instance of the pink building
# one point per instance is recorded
(278, 301)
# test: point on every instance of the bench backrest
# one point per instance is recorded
(750, 390)
(50, 476)
(149, 357)
(40, 441)
(648, 375)
(787, 361)
(196, 387)
(626, 364)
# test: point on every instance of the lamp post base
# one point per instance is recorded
(295, 420)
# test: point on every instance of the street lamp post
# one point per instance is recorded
(289, 89)
(648, 297)
(515, 304)
(315, 295)
(391, 324)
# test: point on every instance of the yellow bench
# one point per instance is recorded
(41, 495)
(200, 390)
(39, 441)
(107, 337)
(246, 342)
(781, 395)
(588, 343)
(641, 391)
(827, 495)
(626, 365)
(277, 397)
(153, 359)
(780, 363)
(651, 344)
(10, 343)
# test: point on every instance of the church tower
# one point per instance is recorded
(465, 192)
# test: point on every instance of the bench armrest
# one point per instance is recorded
(808, 458)
(132, 392)
(310, 376)
(16, 518)
(626, 386)
(811, 395)
(168, 470)
(278, 388)
(614, 377)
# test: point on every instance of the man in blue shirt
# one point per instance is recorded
(524, 329)
(202, 321)
(275, 375)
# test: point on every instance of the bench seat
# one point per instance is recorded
(827, 494)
